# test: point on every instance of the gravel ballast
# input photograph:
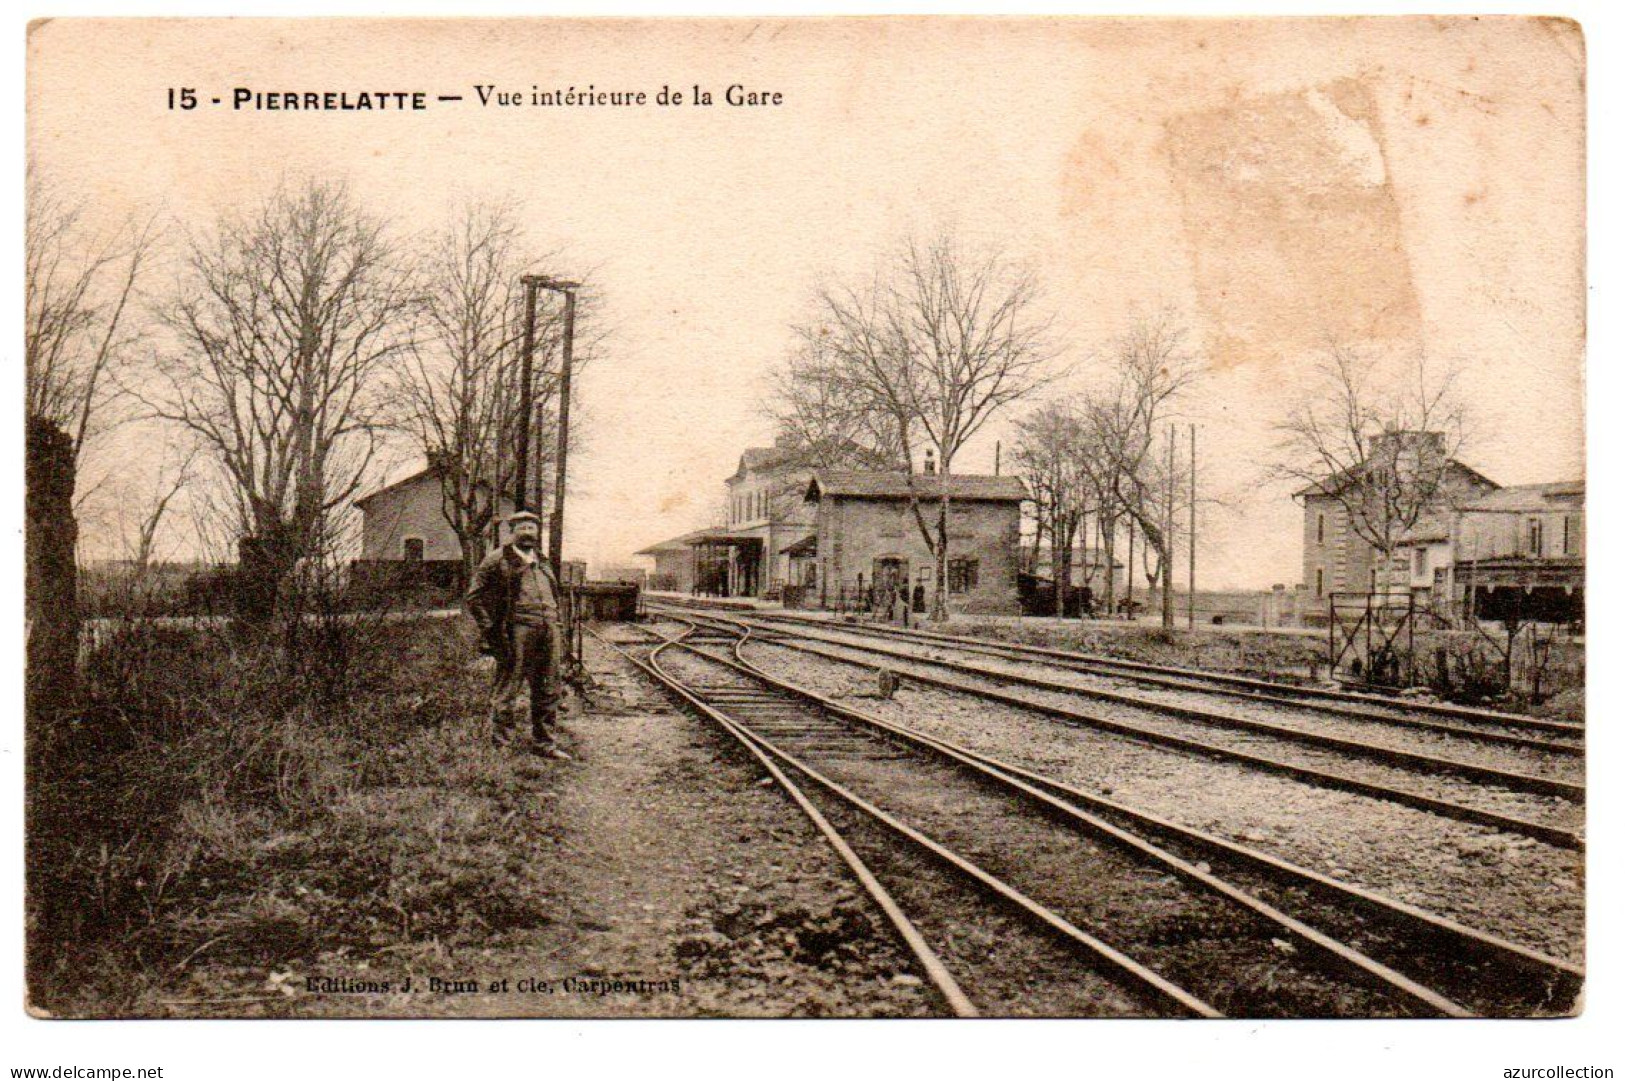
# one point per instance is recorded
(1514, 886)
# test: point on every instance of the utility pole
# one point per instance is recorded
(555, 537)
(1168, 543)
(1191, 576)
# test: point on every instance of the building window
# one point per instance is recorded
(1570, 541)
(1536, 540)
(1320, 581)
(412, 549)
(1420, 566)
(962, 575)
(1320, 528)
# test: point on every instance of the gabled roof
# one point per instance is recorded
(759, 459)
(1338, 481)
(964, 487)
(429, 472)
(806, 546)
(786, 455)
(1520, 498)
(426, 473)
(680, 542)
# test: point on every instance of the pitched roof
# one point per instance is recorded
(679, 542)
(1519, 498)
(423, 474)
(1337, 481)
(898, 485)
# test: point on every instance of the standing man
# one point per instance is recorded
(514, 599)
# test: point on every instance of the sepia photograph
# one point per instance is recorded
(1031, 517)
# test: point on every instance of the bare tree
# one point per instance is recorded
(1050, 453)
(826, 415)
(78, 287)
(932, 351)
(457, 396)
(171, 480)
(1153, 368)
(283, 324)
(1381, 447)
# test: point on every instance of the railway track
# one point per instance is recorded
(1146, 918)
(1490, 726)
(962, 677)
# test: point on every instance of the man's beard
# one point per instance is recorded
(524, 542)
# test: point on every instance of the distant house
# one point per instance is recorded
(678, 564)
(762, 545)
(1336, 559)
(405, 537)
(1088, 566)
(624, 574)
(1515, 552)
(867, 539)
(816, 537)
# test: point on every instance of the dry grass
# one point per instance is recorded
(225, 802)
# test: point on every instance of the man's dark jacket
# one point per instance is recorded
(494, 590)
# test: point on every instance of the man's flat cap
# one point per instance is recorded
(521, 516)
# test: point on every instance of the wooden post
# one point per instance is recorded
(527, 404)
(555, 538)
(1191, 540)
(1168, 542)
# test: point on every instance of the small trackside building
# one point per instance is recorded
(867, 538)
(406, 539)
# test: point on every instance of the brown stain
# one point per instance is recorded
(673, 502)
(1292, 223)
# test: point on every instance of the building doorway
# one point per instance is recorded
(890, 579)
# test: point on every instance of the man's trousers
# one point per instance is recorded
(528, 668)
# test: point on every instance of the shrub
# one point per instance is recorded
(203, 800)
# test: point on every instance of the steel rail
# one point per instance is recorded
(1145, 977)
(1522, 782)
(1238, 681)
(1553, 835)
(935, 970)
(1508, 779)
(1213, 683)
(1337, 951)
(1500, 949)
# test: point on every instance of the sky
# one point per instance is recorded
(1415, 184)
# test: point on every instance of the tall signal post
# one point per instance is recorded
(555, 528)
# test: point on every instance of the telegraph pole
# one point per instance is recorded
(555, 531)
(1191, 576)
(1168, 542)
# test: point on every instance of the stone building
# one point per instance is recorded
(1336, 559)
(1514, 552)
(759, 548)
(866, 538)
(766, 516)
(813, 537)
(405, 537)
(677, 566)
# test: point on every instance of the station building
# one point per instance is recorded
(814, 537)
(866, 538)
(1514, 553)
